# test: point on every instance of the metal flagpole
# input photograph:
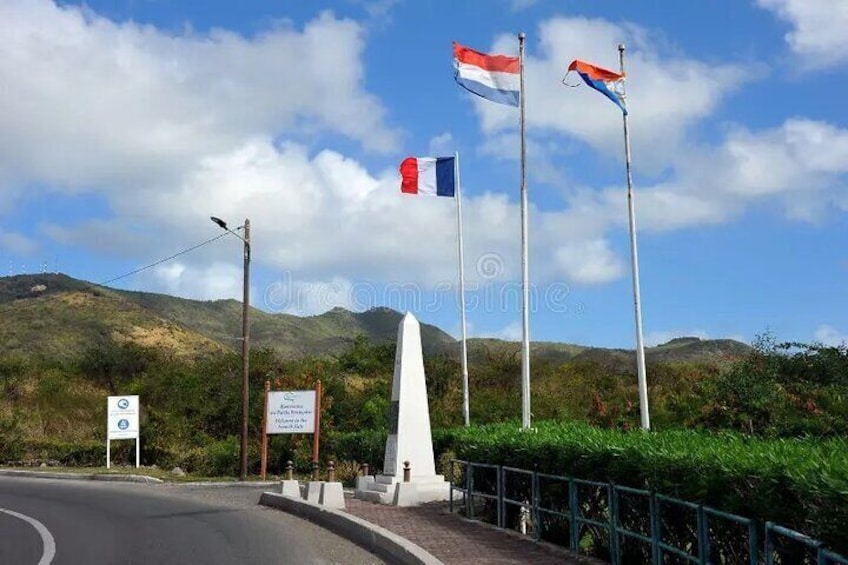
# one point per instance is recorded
(525, 284)
(634, 256)
(465, 403)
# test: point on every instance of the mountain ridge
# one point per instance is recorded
(83, 313)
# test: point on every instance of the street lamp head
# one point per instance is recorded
(219, 221)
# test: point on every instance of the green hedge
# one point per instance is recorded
(800, 484)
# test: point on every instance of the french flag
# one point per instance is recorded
(434, 176)
(493, 77)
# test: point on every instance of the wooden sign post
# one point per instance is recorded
(316, 437)
(291, 412)
(264, 458)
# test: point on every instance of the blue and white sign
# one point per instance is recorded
(122, 417)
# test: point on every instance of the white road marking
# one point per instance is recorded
(46, 536)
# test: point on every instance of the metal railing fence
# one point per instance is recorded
(624, 525)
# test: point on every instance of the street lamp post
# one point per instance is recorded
(245, 339)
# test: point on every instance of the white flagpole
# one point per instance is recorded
(634, 256)
(465, 403)
(525, 276)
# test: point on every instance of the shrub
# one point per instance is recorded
(77, 454)
(11, 443)
(347, 471)
(366, 446)
(219, 458)
(800, 484)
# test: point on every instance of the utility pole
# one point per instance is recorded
(245, 339)
(245, 351)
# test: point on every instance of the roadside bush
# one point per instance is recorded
(76, 454)
(347, 471)
(11, 443)
(219, 458)
(800, 484)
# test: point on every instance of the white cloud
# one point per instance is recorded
(589, 262)
(308, 298)
(667, 93)
(92, 103)
(125, 236)
(801, 164)
(17, 243)
(828, 335)
(326, 215)
(800, 153)
(510, 332)
(818, 29)
(208, 282)
(205, 111)
(541, 155)
(326, 218)
(442, 144)
(378, 11)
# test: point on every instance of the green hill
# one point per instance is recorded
(678, 350)
(56, 316)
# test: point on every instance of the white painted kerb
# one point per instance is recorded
(46, 537)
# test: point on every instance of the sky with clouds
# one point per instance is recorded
(125, 124)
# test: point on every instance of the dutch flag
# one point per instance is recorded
(493, 77)
(434, 176)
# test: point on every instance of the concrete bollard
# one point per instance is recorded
(289, 486)
(331, 472)
(407, 471)
(364, 478)
(332, 495)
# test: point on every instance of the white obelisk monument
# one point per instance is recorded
(409, 436)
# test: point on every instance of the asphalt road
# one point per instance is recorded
(93, 523)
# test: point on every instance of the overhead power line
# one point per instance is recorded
(21, 306)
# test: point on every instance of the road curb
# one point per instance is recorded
(225, 484)
(375, 539)
(80, 476)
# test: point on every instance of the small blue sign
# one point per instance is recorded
(123, 424)
(123, 404)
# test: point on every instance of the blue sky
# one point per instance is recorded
(127, 123)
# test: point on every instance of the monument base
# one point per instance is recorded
(384, 490)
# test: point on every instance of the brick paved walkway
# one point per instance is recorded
(455, 540)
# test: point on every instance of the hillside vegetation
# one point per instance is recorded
(54, 316)
(65, 346)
